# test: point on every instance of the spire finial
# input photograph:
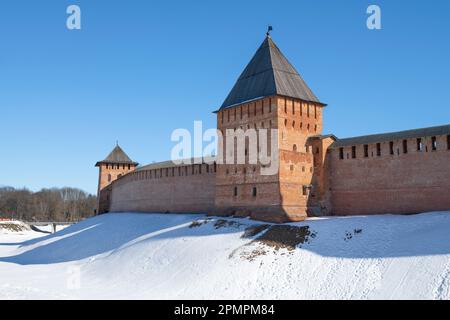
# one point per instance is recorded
(269, 28)
(117, 143)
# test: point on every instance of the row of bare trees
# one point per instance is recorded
(56, 204)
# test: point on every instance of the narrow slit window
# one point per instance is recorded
(405, 146)
(433, 143)
(235, 192)
(341, 153)
(419, 144)
(391, 147)
(366, 151)
(353, 152)
(254, 192)
(378, 149)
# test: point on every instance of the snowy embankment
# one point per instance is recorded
(192, 256)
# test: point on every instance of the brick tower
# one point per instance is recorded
(270, 94)
(115, 165)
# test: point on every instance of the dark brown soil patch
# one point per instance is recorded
(285, 237)
(226, 223)
(254, 230)
(196, 223)
(11, 227)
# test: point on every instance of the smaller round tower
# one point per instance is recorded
(114, 166)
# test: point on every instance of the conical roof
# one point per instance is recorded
(269, 73)
(117, 156)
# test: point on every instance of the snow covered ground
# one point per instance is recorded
(157, 256)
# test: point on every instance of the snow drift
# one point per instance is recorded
(161, 256)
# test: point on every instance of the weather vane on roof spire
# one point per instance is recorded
(269, 28)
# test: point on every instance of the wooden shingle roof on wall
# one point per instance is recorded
(393, 136)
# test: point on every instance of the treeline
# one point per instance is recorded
(56, 204)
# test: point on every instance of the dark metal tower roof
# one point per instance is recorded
(269, 73)
(117, 156)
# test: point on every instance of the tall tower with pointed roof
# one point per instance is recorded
(271, 94)
(114, 166)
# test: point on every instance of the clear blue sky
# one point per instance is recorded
(139, 69)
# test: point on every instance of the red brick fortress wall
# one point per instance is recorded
(388, 179)
(184, 189)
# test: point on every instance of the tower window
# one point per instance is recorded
(433, 143)
(254, 192)
(405, 146)
(293, 124)
(285, 122)
(419, 144)
(391, 147)
(353, 152)
(366, 151)
(129, 167)
(305, 190)
(291, 167)
(109, 177)
(315, 112)
(307, 111)
(294, 148)
(341, 153)
(235, 192)
(378, 149)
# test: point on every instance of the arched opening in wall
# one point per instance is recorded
(285, 122)
(405, 146)
(391, 147)
(235, 191)
(341, 153)
(254, 192)
(433, 144)
(129, 167)
(293, 124)
(294, 148)
(109, 177)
